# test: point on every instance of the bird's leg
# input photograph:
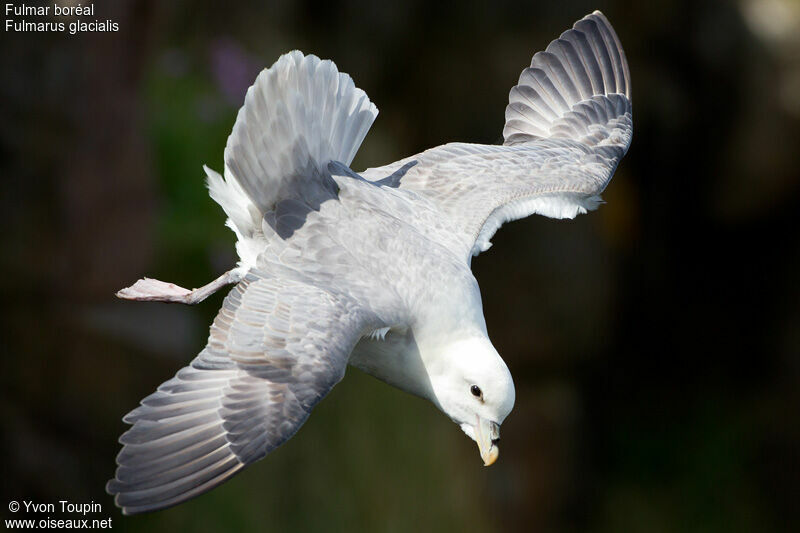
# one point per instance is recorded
(153, 290)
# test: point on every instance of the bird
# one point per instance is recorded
(367, 269)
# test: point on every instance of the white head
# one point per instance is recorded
(472, 385)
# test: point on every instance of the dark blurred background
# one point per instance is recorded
(655, 343)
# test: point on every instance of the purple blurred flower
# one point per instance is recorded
(233, 69)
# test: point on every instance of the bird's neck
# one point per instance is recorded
(410, 358)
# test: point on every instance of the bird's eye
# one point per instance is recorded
(476, 391)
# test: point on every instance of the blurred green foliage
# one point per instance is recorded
(183, 138)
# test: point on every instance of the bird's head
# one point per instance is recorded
(473, 386)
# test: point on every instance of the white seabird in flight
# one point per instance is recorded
(370, 269)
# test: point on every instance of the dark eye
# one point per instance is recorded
(476, 391)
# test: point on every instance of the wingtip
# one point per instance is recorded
(595, 15)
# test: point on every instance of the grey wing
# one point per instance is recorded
(276, 348)
(299, 114)
(568, 124)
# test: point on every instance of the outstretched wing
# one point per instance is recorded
(299, 115)
(276, 348)
(568, 124)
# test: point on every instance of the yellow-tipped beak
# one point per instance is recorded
(487, 435)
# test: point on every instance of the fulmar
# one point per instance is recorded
(370, 269)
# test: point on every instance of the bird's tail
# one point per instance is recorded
(299, 115)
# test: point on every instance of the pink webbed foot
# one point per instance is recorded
(153, 290)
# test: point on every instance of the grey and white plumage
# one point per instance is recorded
(368, 269)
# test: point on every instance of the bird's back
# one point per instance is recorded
(391, 247)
